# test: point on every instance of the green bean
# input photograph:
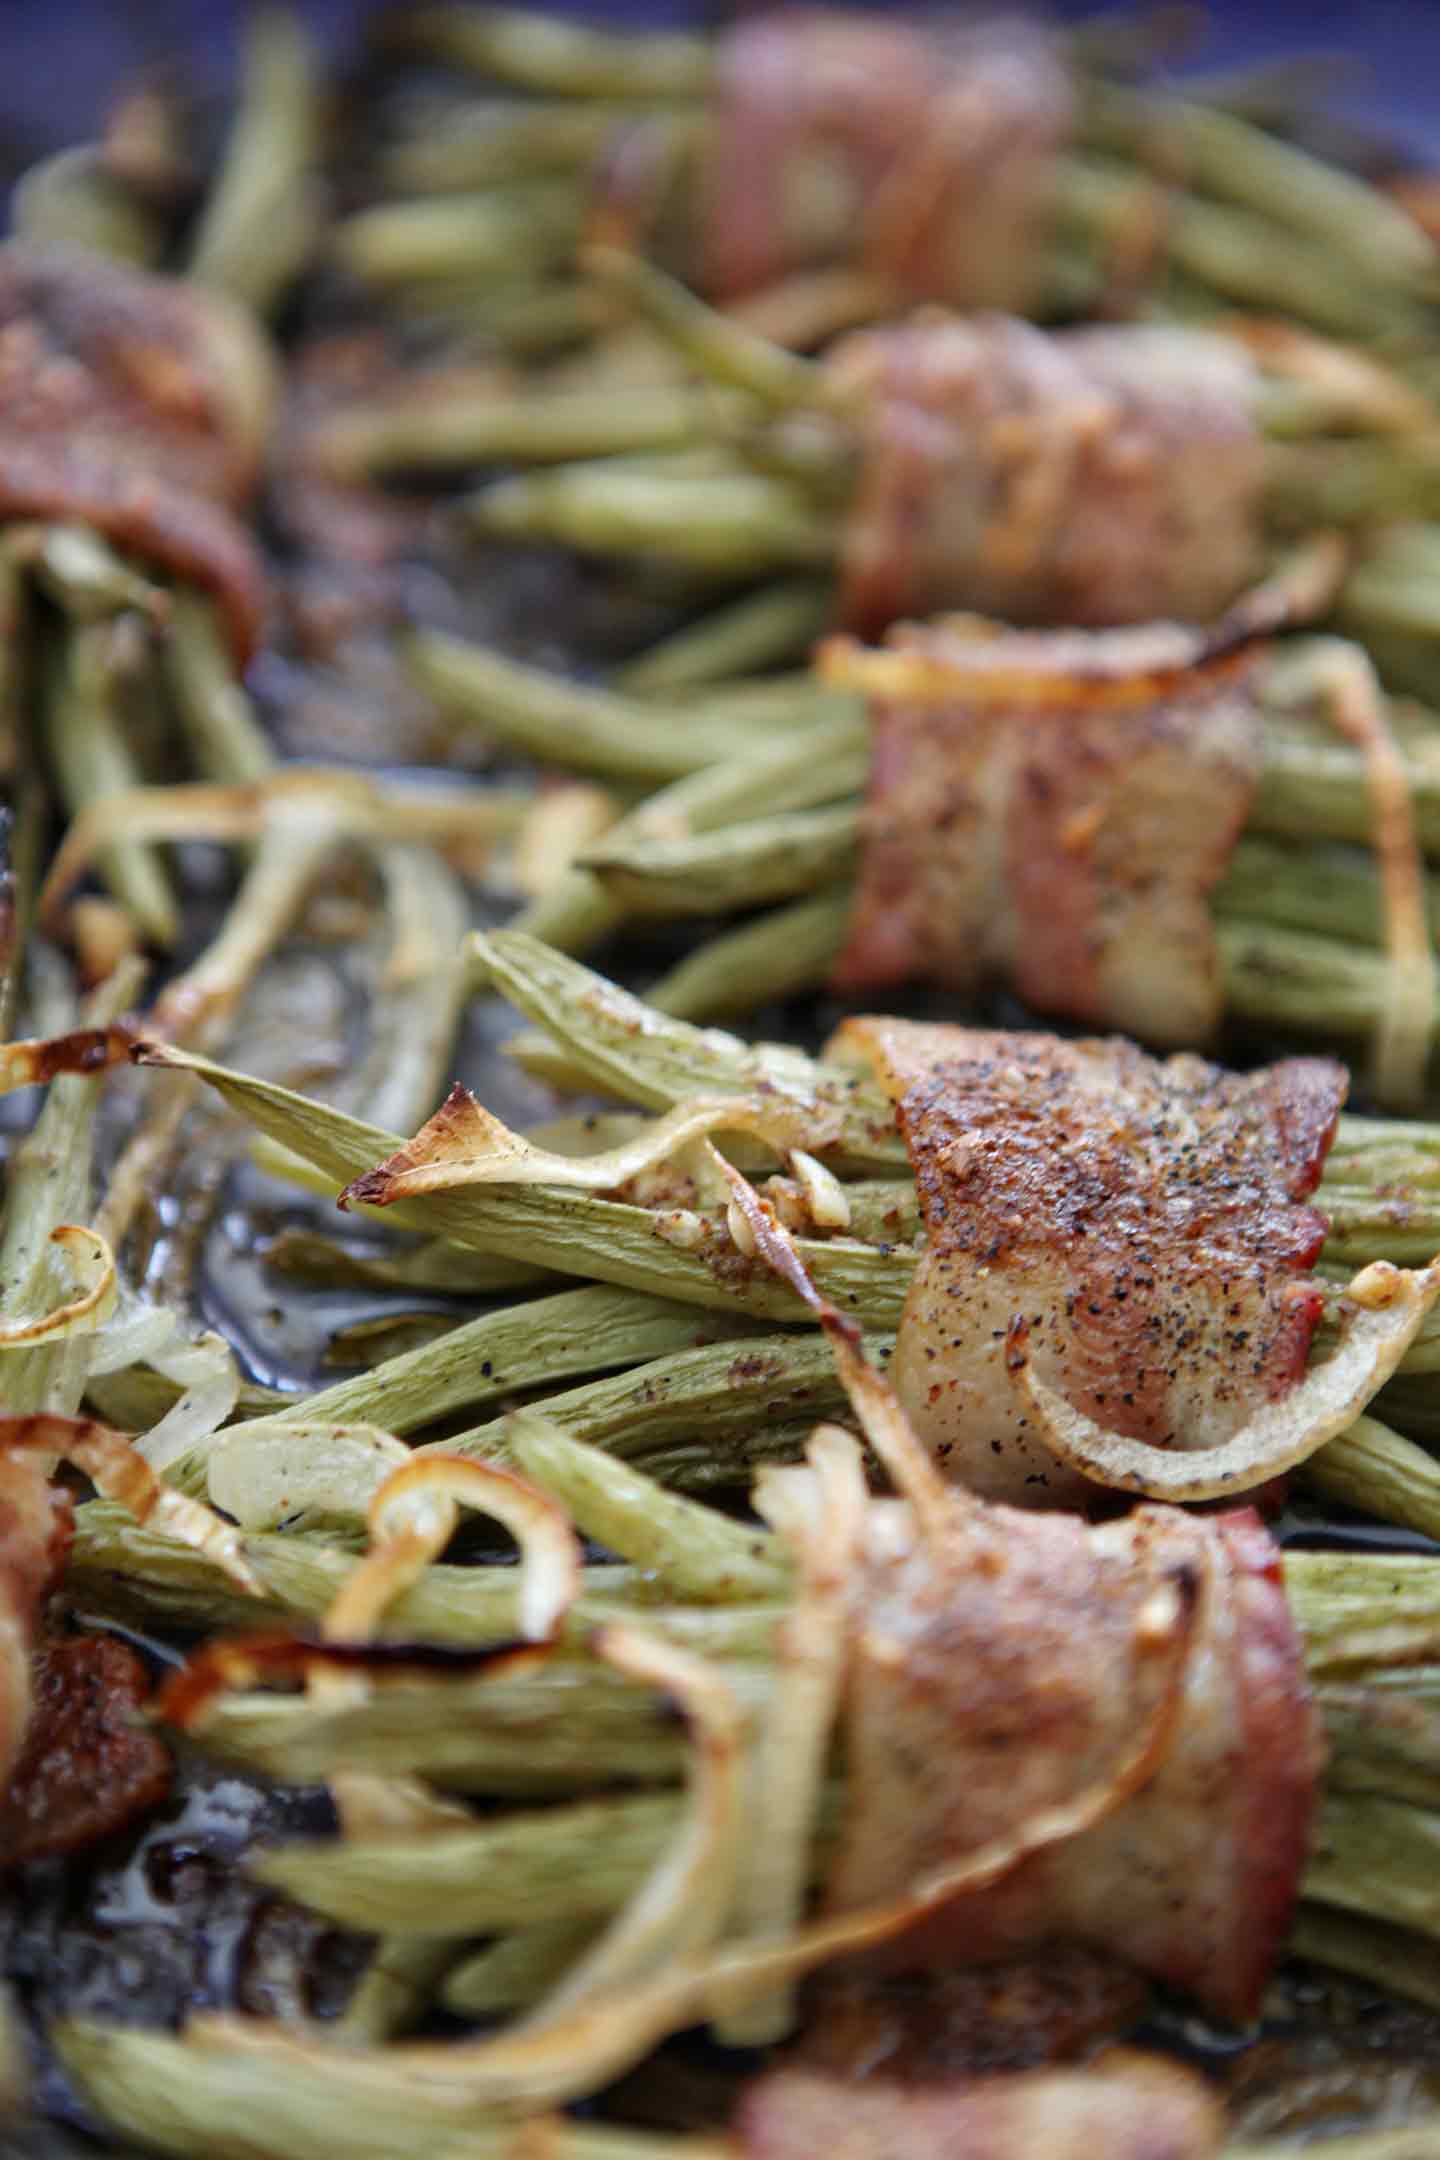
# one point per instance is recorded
(693, 1552)
(500, 139)
(1377, 1856)
(794, 773)
(573, 724)
(82, 573)
(1288, 978)
(395, 1989)
(718, 346)
(524, 1346)
(22, 837)
(1379, 1473)
(171, 2095)
(640, 1057)
(49, 1183)
(1331, 892)
(512, 1974)
(1355, 1608)
(490, 233)
(727, 524)
(1244, 257)
(510, 1873)
(92, 759)
(556, 58)
(776, 623)
(439, 427)
(431, 1265)
(262, 220)
(739, 866)
(1389, 1957)
(72, 199)
(222, 729)
(1223, 154)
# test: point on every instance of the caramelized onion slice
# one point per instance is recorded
(111, 1462)
(83, 1050)
(1390, 1304)
(882, 1420)
(681, 1908)
(92, 1270)
(464, 1144)
(550, 1555)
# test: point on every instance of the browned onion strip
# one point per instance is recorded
(83, 1050)
(680, 1909)
(821, 1514)
(1353, 699)
(464, 1144)
(550, 1556)
(1391, 1303)
(204, 810)
(111, 1462)
(243, 1661)
(92, 1266)
(882, 1420)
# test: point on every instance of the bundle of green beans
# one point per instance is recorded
(476, 195)
(702, 1411)
(757, 801)
(484, 1914)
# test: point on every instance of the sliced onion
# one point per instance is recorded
(1349, 690)
(243, 1661)
(264, 1474)
(1360, 391)
(464, 1144)
(118, 1471)
(882, 1420)
(683, 1905)
(560, 826)
(207, 810)
(1390, 1305)
(550, 1557)
(83, 1050)
(92, 1268)
(821, 1514)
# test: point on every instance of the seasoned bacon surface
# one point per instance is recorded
(925, 154)
(1097, 476)
(1002, 1668)
(1054, 811)
(1145, 1218)
(1128, 2107)
(35, 1525)
(135, 404)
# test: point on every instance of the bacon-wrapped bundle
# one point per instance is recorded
(136, 405)
(1054, 811)
(1010, 1656)
(923, 153)
(1093, 476)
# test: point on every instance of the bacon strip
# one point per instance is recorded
(1144, 1218)
(1127, 2107)
(1054, 811)
(138, 405)
(927, 151)
(995, 1669)
(1097, 476)
(35, 1528)
(88, 1766)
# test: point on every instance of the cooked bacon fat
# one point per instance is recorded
(1098, 476)
(1144, 1218)
(1003, 1668)
(135, 404)
(1128, 2107)
(87, 1767)
(925, 154)
(1054, 811)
